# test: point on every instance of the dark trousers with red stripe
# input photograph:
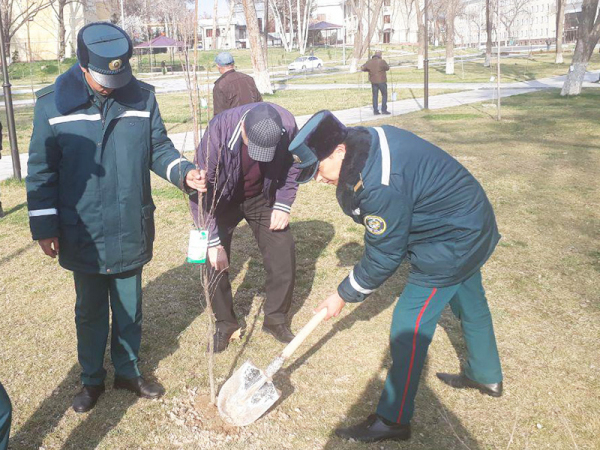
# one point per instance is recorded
(279, 260)
(415, 318)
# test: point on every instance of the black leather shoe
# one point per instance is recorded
(376, 113)
(140, 387)
(281, 332)
(461, 381)
(386, 112)
(375, 429)
(87, 397)
(221, 340)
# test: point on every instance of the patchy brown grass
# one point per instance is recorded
(541, 169)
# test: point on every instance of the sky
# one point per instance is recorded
(206, 6)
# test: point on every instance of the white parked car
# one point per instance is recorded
(306, 63)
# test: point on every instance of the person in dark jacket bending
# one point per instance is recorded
(419, 203)
(232, 88)
(249, 175)
(97, 134)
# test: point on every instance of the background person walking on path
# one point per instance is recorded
(97, 134)
(232, 88)
(377, 68)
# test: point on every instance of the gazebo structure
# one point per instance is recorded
(160, 42)
(317, 27)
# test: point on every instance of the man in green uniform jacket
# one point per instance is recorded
(419, 203)
(97, 135)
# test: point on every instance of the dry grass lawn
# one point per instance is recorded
(541, 169)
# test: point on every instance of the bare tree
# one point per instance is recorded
(257, 52)
(278, 10)
(588, 34)
(452, 7)
(14, 18)
(560, 26)
(362, 37)
(232, 5)
(421, 38)
(488, 32)
(303, 14)
(59, 9)
(215, 18)
(511, 9)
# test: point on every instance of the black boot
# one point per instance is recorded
(140, 387)
(221, 340)
(376, 112)
(461, 381)
(87, 397)
(280, 331)
(375, 429)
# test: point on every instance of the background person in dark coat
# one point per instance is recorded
(418, 202)
(97, 134)
(377, 68)
(232, 88)
(249, 175)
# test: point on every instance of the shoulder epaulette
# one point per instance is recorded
(146, 86)
(44, 91)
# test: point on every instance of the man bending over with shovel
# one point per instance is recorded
(418, 202)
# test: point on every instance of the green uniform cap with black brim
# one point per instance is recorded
(315, 141)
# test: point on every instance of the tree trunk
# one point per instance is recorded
(421, 38)
(560, 26)
(214, 27)
(450, 13)
(488, 30)
(587, 38)
(257, 52)
(60, 16)
(360, 43)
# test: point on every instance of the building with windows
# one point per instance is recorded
(37, 39)
(532, 22)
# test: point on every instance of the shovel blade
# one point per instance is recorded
(246, 396)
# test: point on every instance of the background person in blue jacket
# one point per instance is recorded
(97, 134)
(419, 203)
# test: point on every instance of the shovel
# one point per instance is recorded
(250, 391)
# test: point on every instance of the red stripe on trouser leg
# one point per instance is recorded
(414, 349)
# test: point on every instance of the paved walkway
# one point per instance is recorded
(353, 116)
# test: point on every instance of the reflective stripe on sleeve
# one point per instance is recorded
(172, 165)
(43, 212)
(356, 286)
(282, 207)
(385, 157)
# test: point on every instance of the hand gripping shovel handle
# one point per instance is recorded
(303, 334)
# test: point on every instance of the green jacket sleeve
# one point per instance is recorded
(42, 177)
(166, 160)
(387, 216)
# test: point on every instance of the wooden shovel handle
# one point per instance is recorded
(303, 334)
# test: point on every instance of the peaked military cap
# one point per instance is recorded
(315, 141)
(104, 49)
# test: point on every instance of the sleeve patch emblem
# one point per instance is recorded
(375, 224)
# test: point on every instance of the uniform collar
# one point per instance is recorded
(72, 92)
